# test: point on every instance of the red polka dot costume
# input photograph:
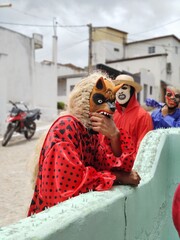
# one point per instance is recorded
(73, 161)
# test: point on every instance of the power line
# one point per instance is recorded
(41, 25)
(31, 15)
(79, 26)
(157, 27)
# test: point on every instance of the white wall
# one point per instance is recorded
(68, 70)
(140, 48)
(19, 64)
(24, 80)
(3, 92)
(15, 71)
(147, 78)
(69, 82)
(104, 50)
(174, 58)
(70, 75)
(45, 90)
(165, 45)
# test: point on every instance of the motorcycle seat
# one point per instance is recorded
(33, 114)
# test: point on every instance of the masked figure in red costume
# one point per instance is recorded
(72, 160)
(129, 115)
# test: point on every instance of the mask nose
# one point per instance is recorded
(111, 106)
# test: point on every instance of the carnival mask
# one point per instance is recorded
(102, 98)
(172, 97)
(123, 95)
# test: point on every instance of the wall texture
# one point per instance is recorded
(123, 213)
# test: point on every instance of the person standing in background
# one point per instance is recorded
(129, 115)
(168, 114)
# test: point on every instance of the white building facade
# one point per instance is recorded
(67, 76)
(22, 79)
(157, 60)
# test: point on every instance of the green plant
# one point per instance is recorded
(60, 105)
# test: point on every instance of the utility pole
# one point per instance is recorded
(55, 42)
(90, 48)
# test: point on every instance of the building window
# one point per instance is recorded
(151, 50)
(116, 49)
(168, 68)
(150, 90)
(71, 87)
(145, 91)
(61, 87)
(176, 49)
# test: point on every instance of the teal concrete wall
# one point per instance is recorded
(123, 213)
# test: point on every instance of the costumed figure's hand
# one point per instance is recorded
(124, 178)
(164, 110)
(107, 127)
(104, 125)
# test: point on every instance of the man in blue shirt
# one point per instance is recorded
(168, 114)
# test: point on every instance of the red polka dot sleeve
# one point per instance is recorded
(126, 161)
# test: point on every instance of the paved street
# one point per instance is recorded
(15, 176)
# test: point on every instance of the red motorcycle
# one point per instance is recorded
(21, 121)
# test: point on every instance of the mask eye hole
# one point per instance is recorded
(124, 87)
(98, 98)
(177, 95)
(169, 94)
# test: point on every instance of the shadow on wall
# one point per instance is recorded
(124, 212)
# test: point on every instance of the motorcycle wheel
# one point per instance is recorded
(30, 131)
(8, 134)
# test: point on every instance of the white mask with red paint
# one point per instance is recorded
(172, 97)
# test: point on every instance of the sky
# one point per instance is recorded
(68, 19)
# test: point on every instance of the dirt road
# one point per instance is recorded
(15, 175)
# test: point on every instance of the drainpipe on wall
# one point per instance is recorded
(124, 47)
